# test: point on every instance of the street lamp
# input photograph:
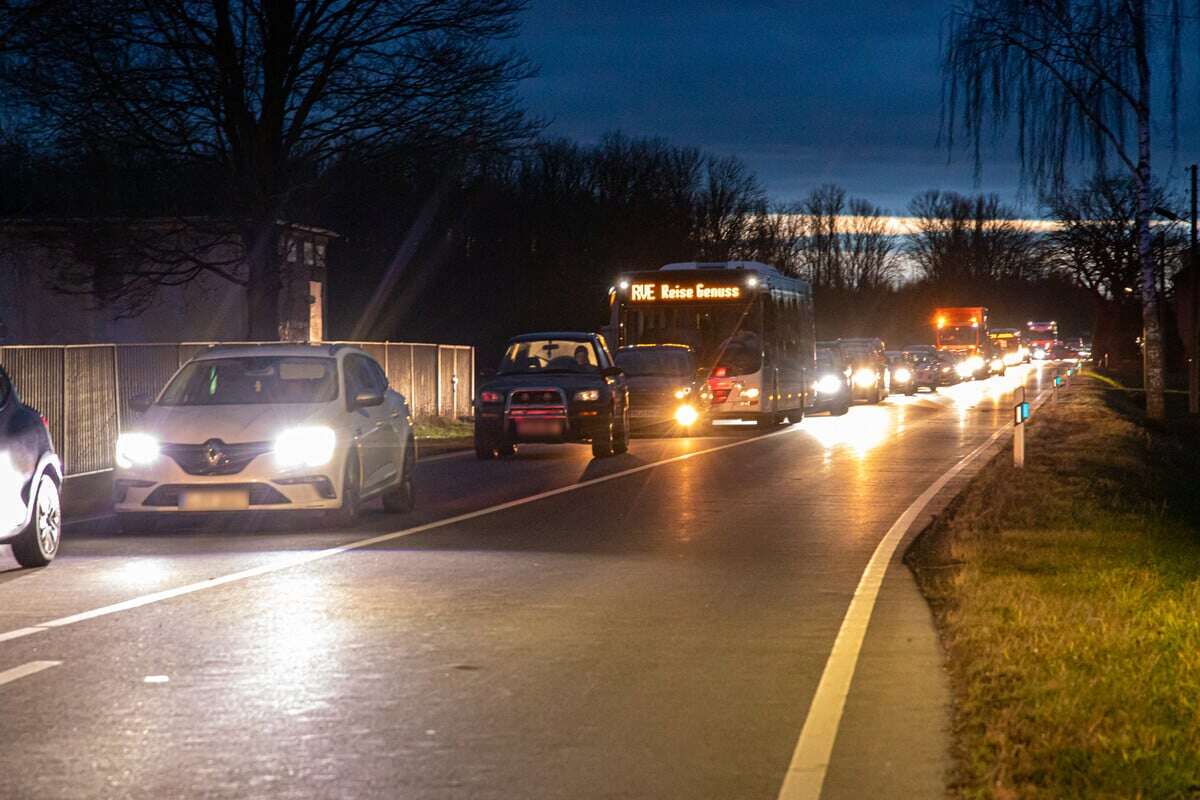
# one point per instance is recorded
(1194, 285)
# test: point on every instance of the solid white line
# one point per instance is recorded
(810, 760)
(304, 558)
(18, 633)
(16, 673)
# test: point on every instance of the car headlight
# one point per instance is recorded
(963, 368)
(136, 449)
(311, 446)
(864, 378)
(1039, 353)
(588, 395)
(682, 392)
(829, 384)
(974, 363)
(997, 364)
(686, 416)
(902, 375)
(750, 393)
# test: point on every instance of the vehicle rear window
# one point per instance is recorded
(253, 380)
(671, 362)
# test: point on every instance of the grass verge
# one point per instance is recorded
(437, 428)
(1068, 600)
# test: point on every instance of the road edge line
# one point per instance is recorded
(805, 776)
(25, 670)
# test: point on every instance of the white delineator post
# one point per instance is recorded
(1019, 415)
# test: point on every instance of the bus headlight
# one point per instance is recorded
(902, 375)
(308, 447)
(829, 385)
(136, 449)
(686, 416)
(588, 395)
(864, 378)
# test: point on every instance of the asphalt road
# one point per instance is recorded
(659, 633)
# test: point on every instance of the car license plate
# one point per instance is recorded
(539, 427)
(214, 500)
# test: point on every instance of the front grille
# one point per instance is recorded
(214, 457)
(535, 397)
(260, 493)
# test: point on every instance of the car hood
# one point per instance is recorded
(564, 380)
(230, 424)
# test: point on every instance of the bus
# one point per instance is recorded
(750, 326)
(1006, 343)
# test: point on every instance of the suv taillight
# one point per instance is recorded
(45, 422)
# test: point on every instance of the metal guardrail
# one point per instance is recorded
(84, 391)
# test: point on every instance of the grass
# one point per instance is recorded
(435, 428)
(1068, 598)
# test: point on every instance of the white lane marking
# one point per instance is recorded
(156, 679)
(298, 559)
(810, 760)
(16, 673)
(18, 633)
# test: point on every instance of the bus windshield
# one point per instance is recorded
(727, 335)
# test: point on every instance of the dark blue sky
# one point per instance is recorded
(806, 91)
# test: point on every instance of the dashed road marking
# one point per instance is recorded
(16, 673)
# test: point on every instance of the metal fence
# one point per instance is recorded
(85, 391)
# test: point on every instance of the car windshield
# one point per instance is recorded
(958, 334)
(856, 352)
(825, 360)
(253, 380)
(654, 361)
(549, 355)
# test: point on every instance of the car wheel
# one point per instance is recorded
(485, 448)
(37, 545)
(349, 510)
(603, 442)
(403, 498)
(621, 444)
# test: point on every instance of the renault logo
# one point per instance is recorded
(214, 453)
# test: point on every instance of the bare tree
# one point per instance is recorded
(1096, 240)
(1077, 76)
(823, 211)
(729, 206)
(960, 239)
(869, 250)
(269, 92)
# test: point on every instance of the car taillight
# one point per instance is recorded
(491, 397)
(720, 372)
(45, 422)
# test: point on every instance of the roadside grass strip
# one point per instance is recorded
(1067, 596)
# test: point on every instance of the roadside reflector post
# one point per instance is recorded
(1020, 414)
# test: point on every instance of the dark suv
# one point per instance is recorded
(30, 480)
(553, 388)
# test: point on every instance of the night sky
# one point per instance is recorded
(806, 91)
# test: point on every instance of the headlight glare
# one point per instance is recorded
(136, 449)
(686, 416)
(682, 392)
(588, 395)
(902, 375)
(310, 446)
(750, 393)
(864, 378)
(964, 369)
(829, 384)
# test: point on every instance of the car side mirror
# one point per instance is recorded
(612, 372)
(141, 403)
(368, 399)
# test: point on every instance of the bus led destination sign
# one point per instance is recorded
(681, 293)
